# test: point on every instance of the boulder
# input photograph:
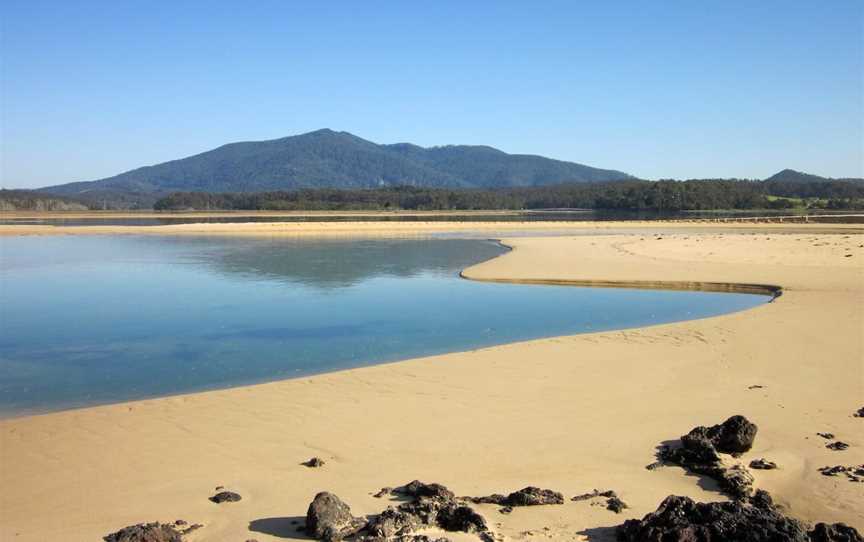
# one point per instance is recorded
(330, 519)
(145, 532)
(417, 489)
(734, 436)
(837, 532)
(763, 464)
(528, 496)
(680, 519)
(225, 496)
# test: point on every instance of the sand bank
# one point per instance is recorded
(569, 413)
(417, 228)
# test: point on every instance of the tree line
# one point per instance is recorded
(664, 195)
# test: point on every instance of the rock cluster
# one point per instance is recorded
(528, 496)
(700, 449)
(763, 464)
(859, 413)
(836, 532)
(855, 473)
(837, 446)
(146, 532)
(680, 519)
(225, 496)
(431, 506)
(613, 502)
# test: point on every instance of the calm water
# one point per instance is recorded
(89, 320)
(532, 216)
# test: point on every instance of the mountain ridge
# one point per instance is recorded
(329, 159)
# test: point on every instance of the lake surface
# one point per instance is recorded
(101, 319)
(529, 216)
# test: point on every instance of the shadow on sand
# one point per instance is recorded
(284, 527)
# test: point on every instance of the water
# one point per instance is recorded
(92, 320)
(526, 216)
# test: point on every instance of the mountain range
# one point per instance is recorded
(330, 159)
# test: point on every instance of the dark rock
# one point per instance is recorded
(495, 498)
(314, 463)
(383, 492)
(432, 505)
(852, 472)
(534, 496)
(596, 493)
(615, 504)
(763, 464)
(145, 532)
(699, 453)
(837, 532)
(837, 446)
(734, 436)
(827, 436)
(330, 519)
(505, 509)
(225, 496)
(418, 489)
(755, 387)
(859, 413)
(680, 519)
(461, 518)
(393, 522)
(528, 496)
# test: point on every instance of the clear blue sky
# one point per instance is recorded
(657, 89)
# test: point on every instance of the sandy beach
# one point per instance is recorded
(568, 413)
(424, 228)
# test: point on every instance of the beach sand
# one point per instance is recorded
(569, 413)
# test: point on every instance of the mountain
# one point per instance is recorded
(792, 176)
(329, 159)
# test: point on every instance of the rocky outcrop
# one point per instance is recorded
(763, 464)
(680, 519)
(700, 453)
(417, 489)
(146, 532)
(431, 506)
(855, 473)
(613, 502)
(734, 436)
(330, 519)
(528, 496)
(836, 532)
(225, 496)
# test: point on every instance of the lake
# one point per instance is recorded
(100, 319)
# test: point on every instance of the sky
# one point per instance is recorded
(672, 89)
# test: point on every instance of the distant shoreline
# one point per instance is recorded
(396, 228)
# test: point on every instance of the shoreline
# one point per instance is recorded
(359, 228)
(773, 291)
(424, 418)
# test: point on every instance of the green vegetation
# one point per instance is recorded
(661, 196)
(28, 200)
